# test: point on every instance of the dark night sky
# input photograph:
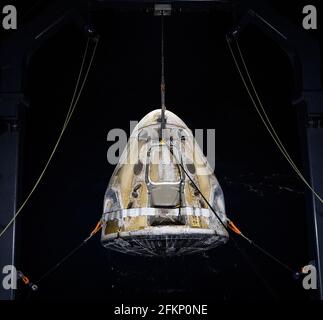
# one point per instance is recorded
(204, 89)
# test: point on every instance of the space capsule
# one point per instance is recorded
(153, 205)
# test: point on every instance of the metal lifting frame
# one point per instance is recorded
(302, 50)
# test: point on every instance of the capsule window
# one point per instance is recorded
(137, 168)
(191, 168)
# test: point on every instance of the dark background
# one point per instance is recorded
(262, 193)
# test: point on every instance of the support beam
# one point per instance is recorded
(9, 146)
(313, 150)
(304, 55)
(15, 53)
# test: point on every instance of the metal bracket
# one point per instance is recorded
(315, 120)
(162, 9)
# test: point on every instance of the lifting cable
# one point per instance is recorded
(76, 96)
(235, 229)
(230, 225)
(162, 80)
(34, 287)
(262, 112)
(72, 252)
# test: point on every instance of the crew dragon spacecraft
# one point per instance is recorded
(158, 199)
(152, 206)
